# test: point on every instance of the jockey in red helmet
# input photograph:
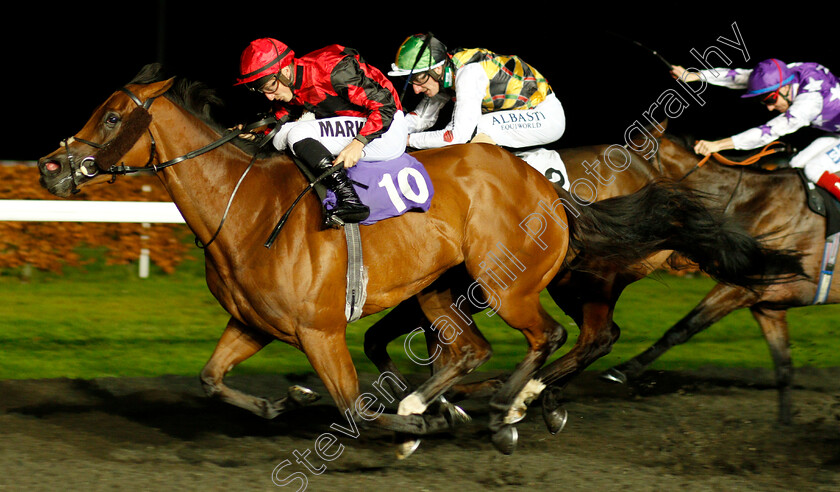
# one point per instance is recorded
(806, 94)
(357, 113)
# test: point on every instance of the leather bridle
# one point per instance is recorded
(133, 127)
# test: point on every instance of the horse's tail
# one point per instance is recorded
(666, 215)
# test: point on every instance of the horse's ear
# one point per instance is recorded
(157, 88)
(657, 130)
(152, 90)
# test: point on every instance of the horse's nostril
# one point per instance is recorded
(52, 167)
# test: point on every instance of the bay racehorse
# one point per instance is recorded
(290, 292)
(587, 288)
(486, 200)
(771, 203)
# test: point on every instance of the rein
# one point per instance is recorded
(764, 152)
(767, 150)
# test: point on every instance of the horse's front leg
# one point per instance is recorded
(719, 302)
(402, 320)
(330, 358)
(407, 317)
(238, 343)
(774, 326)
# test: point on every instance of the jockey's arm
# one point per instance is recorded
(706, 147)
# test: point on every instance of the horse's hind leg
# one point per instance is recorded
(456, 349)
(399, 321)
(720, 301)
(544, 336)
(775, 329)
(598, 333)
(455, 344)
(238, 343)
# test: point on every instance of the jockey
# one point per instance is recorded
(806, 94)
(353, 113)
(497, 98)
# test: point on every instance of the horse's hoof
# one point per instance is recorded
(303, 396)
(407, 448)
(505, 439)
(514, 416)
(555, 419)
(456, 415)
(614, 375)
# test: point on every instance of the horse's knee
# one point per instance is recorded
(784, 374)
(605, 342)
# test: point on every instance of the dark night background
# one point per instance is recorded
(60, 63)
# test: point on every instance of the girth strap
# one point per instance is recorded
(829, 261)
(356, 274)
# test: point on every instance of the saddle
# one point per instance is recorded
(823, 203)
(414, 192)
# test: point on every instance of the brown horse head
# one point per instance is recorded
(116, 129)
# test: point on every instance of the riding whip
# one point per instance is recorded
(649, 50)
(306, 190)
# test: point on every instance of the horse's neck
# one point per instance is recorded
(212, 170)
(202, 187)
(679, 164)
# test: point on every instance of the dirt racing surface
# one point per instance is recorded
(689, 431)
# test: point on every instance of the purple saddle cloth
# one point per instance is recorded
(389, 188)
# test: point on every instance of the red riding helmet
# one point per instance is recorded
(262, 59)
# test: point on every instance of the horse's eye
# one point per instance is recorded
(111, 120)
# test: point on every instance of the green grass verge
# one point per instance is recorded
(105, 321)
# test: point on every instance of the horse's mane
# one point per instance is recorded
(198, 99)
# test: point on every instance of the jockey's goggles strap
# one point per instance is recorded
(426, 44)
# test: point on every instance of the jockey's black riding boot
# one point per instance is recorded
(348, 207)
